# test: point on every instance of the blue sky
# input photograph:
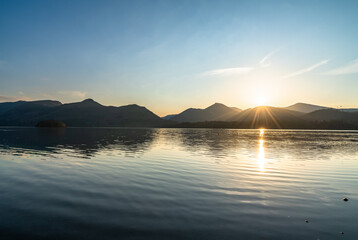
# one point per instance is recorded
(170, 55)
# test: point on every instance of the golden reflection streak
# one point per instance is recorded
(261, 155)
(262, 131)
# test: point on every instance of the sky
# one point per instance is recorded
(171, 55)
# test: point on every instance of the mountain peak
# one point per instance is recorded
(304, 104)
(87, 103)
(88, 100)
(215, 112)
(304, 107)
(217, 105)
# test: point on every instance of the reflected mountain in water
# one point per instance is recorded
(217, 143)
(81, 141)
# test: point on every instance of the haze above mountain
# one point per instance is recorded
(89, 113)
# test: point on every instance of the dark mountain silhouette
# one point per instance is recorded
(267, 117)
(6, 106)
(304, 107)
(349, 109)
(280, 118)
(19, 113)
(87, 113)
(170, 116)
(23, 105)
(332, 114)
(215, 112)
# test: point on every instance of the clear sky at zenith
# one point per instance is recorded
(171, 55)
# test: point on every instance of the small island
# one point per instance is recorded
(51, 124)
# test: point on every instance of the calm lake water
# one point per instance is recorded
(111, 183)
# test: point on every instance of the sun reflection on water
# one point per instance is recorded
(261, 155)
(262, 131)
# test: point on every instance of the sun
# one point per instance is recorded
(261, 95)
(261, 100)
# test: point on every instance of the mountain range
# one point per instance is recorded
(282, 118)
(87, 113)
(90, 113)
(215, 112)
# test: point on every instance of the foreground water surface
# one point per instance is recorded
(112, 183)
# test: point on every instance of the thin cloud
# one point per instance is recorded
(229, 71)
(4, 98)
(350, 68)
(7, 98)
(264, 61)
(306, 70)
(74, 94)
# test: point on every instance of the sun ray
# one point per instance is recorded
(272, 117)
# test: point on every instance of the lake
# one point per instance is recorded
(133, 183)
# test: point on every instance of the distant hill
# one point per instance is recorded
(215, 112)
(170, 116)
(349, 109)
(332, 114)
(304, 107)
(87, 113)
(23, 105)
(24, 113)
(6, 106)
